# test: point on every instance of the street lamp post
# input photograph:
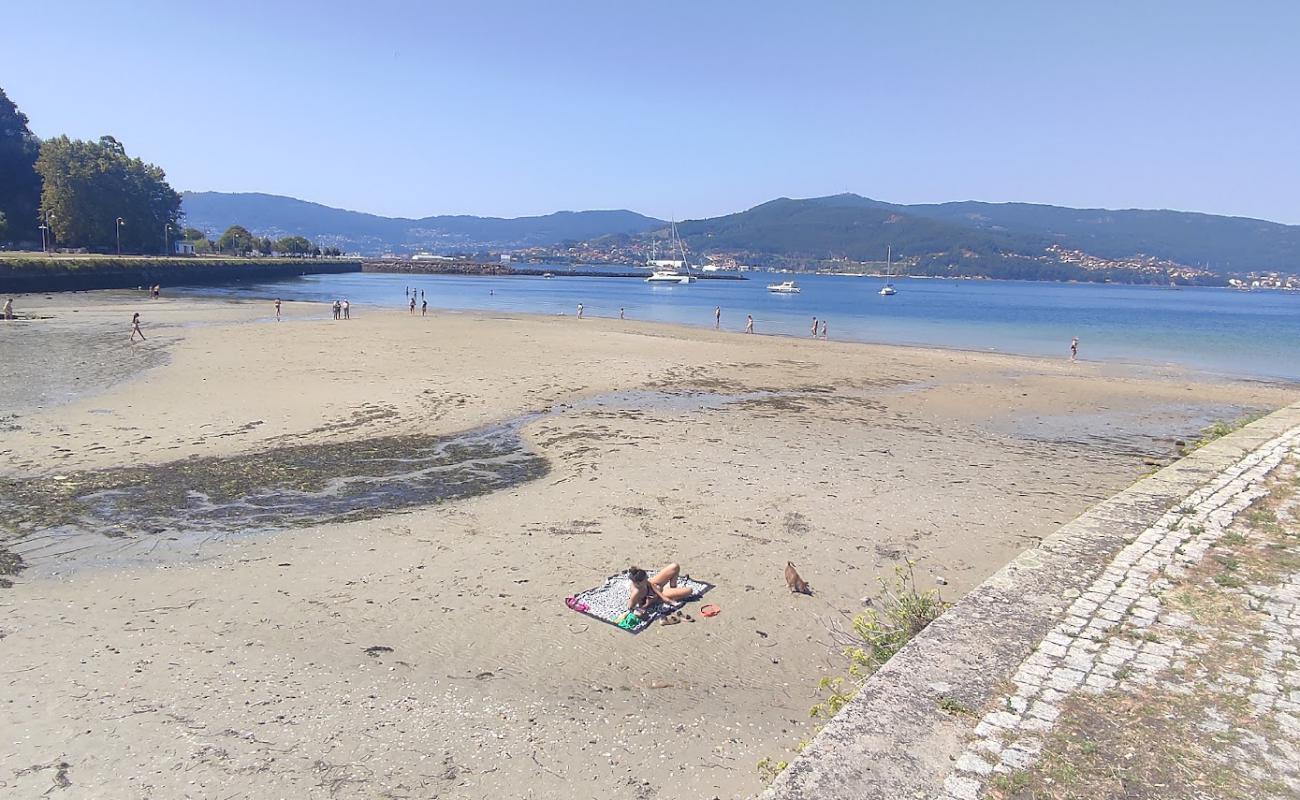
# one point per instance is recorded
(43, 249)
(120, 223)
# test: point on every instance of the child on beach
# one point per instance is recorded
(579, 310)
(749, 323)
(1074, 349)
(424, 307)
(823, 329)
(277, 309)
(9, 309)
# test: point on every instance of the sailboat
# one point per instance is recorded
(888, 290)
(672, 271)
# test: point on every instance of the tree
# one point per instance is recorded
(293, 245)
(20, 186)
(193, 235)
(265, 246)
(4, 226)
(89, 186)
(237, 239)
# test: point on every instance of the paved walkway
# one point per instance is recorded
(1175, 674)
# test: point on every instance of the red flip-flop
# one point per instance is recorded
(710, 611)
(575, 604)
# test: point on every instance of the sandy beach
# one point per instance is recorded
(409, 648)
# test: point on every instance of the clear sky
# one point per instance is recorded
(683, 109)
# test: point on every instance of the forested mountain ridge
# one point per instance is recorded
(996, 239)
(856, 228)
(274, 215)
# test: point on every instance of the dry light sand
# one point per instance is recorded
(236, 666)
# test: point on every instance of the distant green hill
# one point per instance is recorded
(1004, 239)
(354, 231)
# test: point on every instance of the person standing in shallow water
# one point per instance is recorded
(1074, 349)
(749, 323)
(579, 310)
(814, 328)
(621, 315)
(412, 303)
(823, 329)
(277, 309)
(717, 317)
(135, 327)
(424, 307)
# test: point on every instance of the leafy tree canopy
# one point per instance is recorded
(89, 186)
(294, 245)
(20, 186)
(237, 239)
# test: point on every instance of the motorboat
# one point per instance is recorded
(784, 287)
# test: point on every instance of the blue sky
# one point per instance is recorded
(682, 109)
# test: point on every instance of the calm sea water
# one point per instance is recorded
(1240, 333)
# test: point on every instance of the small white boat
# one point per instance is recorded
(784, 287)
(672, 271)
(665, 276)
(889, 290)
(548, 274)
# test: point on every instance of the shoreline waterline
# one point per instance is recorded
(1231, 333)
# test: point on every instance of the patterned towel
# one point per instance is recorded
(608, 601)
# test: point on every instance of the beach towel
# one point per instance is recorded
(608, 602)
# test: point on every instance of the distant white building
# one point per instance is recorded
(183, 248)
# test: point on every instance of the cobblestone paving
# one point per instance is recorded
(1181, 657)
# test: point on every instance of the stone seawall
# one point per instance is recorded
(29, 275)
(895, 740)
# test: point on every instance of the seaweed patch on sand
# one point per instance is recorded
(135, 512)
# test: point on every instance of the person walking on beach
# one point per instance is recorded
(579, 310)
(347, 309)
(277, 309)
(814, 328)
(1074, 349)
(717, 317)
(412, 304)
(823, 329)
(424, 307)
(749, 323)
(9, 309)
(621, 315)
(135, 327)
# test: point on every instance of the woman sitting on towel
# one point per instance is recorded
(647, 592)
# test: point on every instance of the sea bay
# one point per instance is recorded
(1253, 334)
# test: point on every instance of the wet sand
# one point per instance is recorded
(235, 657)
